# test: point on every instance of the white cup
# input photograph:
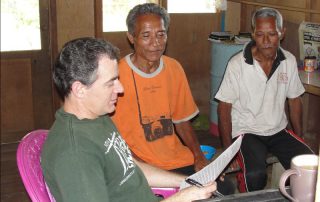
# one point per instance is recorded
(303, 177)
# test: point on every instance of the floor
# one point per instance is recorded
(12, 189)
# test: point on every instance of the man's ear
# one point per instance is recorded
(282, 33)
(130, 37)
(78, 89)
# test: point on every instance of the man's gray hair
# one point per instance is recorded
(267, 12)
(147, 8)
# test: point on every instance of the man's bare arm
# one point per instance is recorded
(224, 123)
(225, 127)
(295, 113)
(188, 136)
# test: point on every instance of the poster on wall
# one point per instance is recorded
(309, 40)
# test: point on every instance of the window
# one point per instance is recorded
(115, 13)
(191, 6)
(20, 25)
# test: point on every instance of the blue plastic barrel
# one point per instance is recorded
(221, 52)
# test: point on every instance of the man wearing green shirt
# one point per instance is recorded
(84, 157)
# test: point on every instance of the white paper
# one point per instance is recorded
(214, 169)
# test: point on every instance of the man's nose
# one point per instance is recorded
(118, 87)
(266, 38)
(155, 41)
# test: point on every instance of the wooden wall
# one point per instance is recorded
(190, 46)
(74, 19)
(11, 103)
(26, 93)
(238, 17)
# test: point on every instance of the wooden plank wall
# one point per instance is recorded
(293, 11)
(188, 43)
(74, 19)
(26, 93)
(16, 98)
(26, 96)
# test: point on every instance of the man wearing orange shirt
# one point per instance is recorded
(154, 113)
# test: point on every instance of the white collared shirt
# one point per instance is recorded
(258, 102)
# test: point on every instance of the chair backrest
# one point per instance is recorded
(28, 160)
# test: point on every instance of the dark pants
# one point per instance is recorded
(253, 153)
(225, 187)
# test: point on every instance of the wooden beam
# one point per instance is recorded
(98, 22)
(303, 10)
(308, 15)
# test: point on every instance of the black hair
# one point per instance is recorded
(78, 61)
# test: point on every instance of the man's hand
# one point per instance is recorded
(200, 162)
(193, 193)
(234, 165)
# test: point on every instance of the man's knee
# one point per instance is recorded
(256, 180)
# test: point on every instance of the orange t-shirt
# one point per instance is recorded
(145, 114)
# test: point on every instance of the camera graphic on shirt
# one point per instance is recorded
(155, 129)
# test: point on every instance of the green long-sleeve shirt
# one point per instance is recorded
(87, 160)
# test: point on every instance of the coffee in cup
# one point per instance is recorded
(303, 176)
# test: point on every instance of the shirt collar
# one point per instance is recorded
(249, 58)
(247, 54)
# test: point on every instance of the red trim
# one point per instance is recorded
(298, 138)
(214, 130)
(294, 135)
(242, 186)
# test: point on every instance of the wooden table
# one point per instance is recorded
(262, 195)
(311, 81)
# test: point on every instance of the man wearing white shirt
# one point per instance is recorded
(252, 96)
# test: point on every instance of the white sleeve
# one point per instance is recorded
(229, 87)
(295, 88)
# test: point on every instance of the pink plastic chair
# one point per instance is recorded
(28, 160)
(164, 192)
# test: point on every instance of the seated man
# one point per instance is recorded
(84, 158)
(157, 103)
(252, 97)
